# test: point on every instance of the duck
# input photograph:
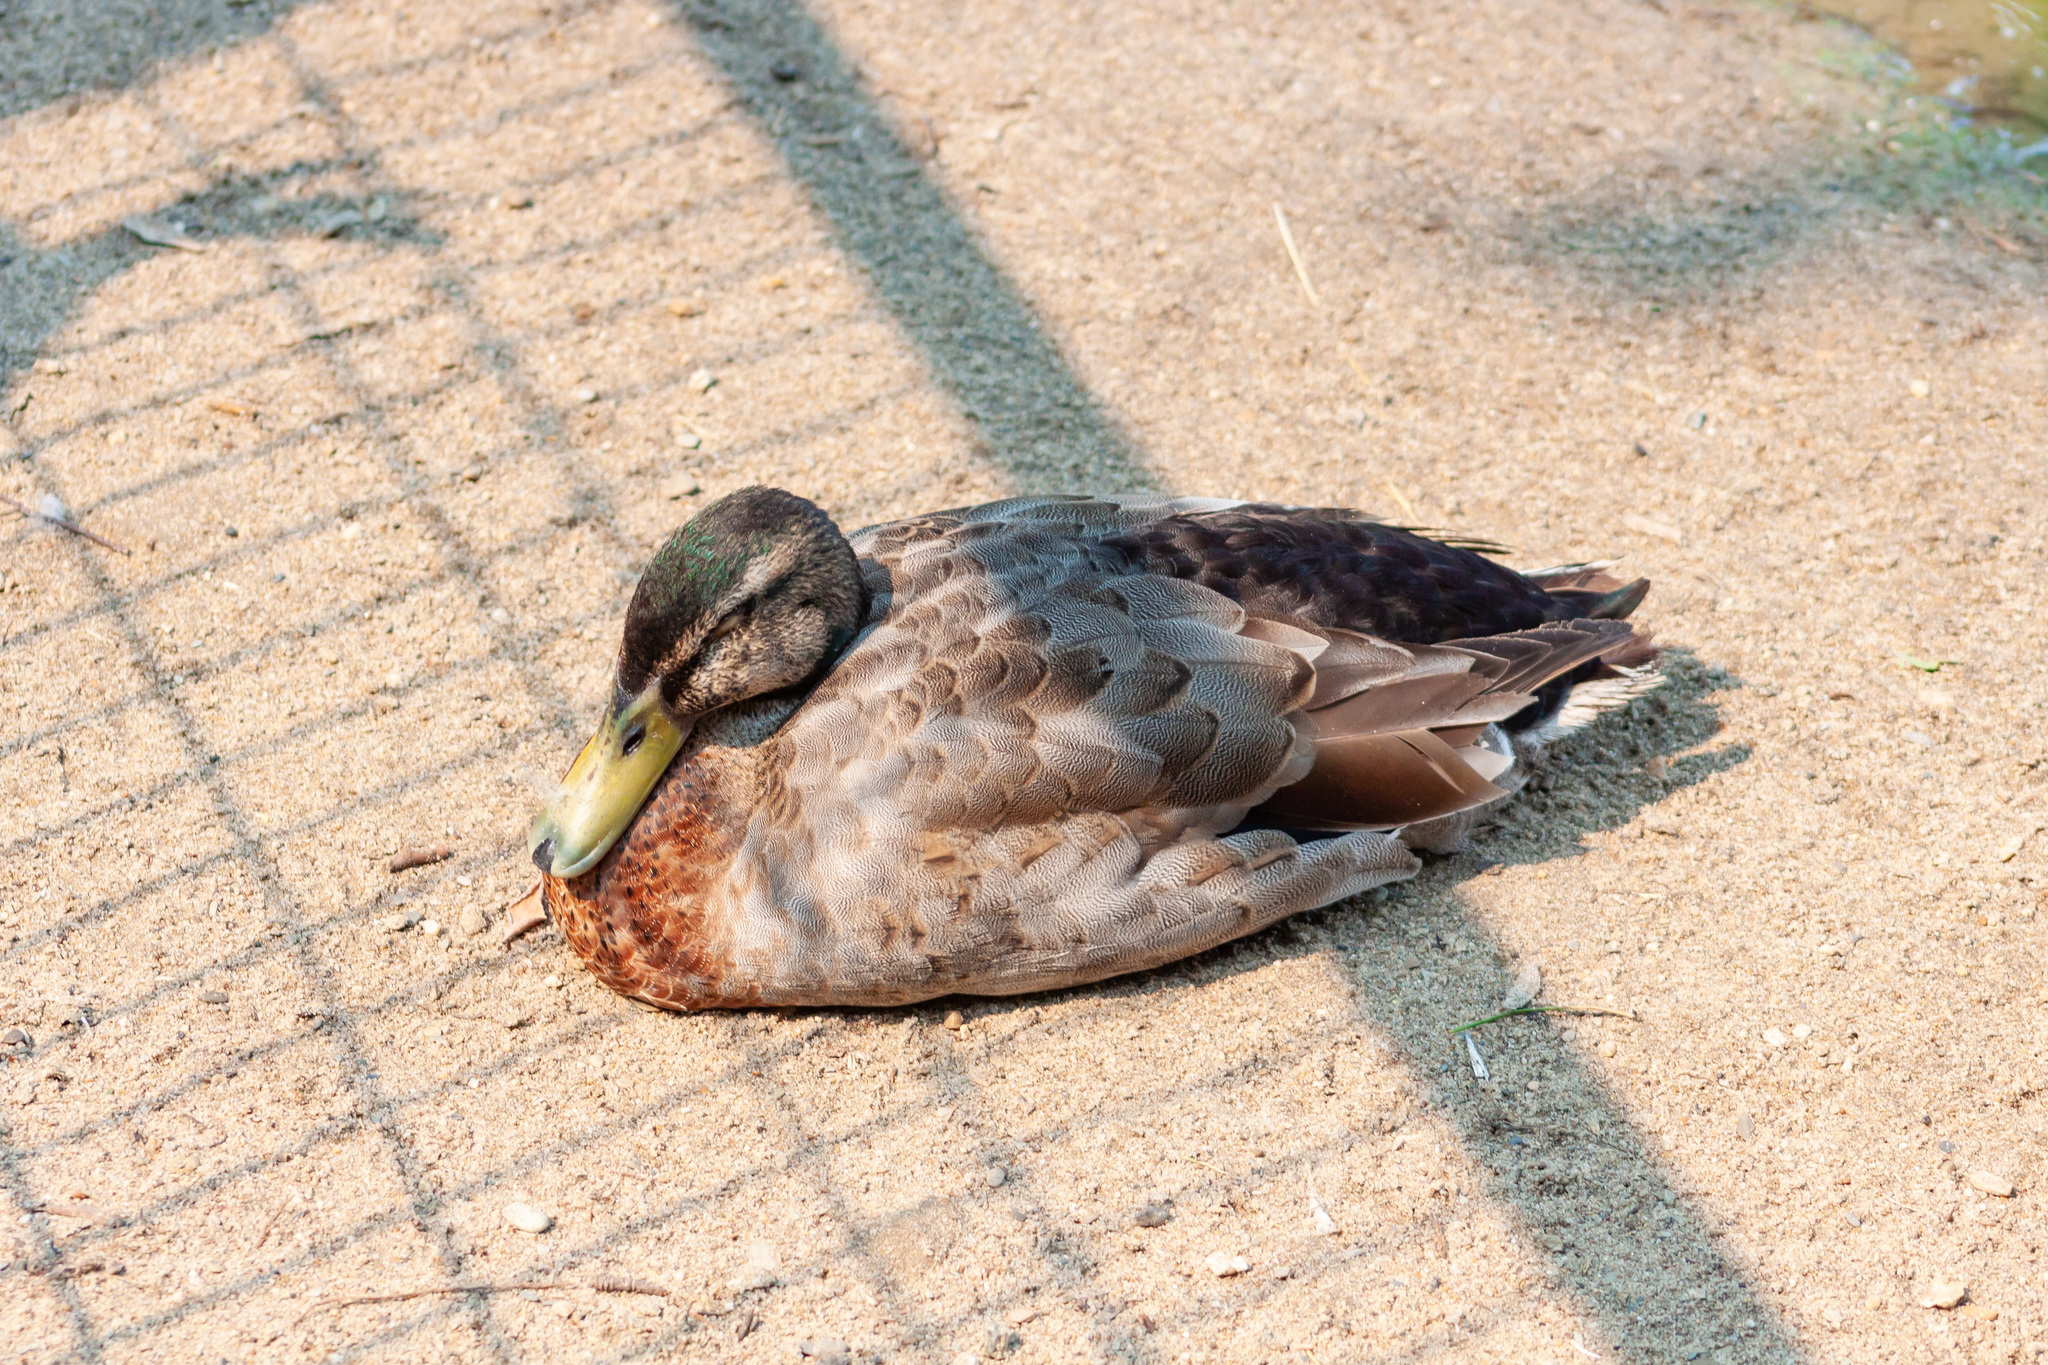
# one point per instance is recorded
(1047, 740)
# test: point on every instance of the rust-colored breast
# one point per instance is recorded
(643, 919)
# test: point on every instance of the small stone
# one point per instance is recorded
(1325, 1225)
(230, 532)
(1832, 1316)
(685, 308)
(1528, 985)
(586, 395)
(1945, 1293)
(1285, 1272)
(826, 1351)
(1992, 1183)
(392, 924)
(214, 997)
(1802, 1030)
(551, 981)
(679, 486)
(1411, 963)
(1607, 1047)
(755, 1277)
(527, 1218)
(500, 616)
(474, 921)
(430, 927)
(1919, 388)
(16, 1037)
(1153, 1216)
(1776, 1037)
(1745, 1128)
(996, 1176)
(784, 70)
(702, 380)
(1223, 1265)
(1664, 825)
(954, 1020)
(1979, 1311)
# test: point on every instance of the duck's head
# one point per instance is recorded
(753, 595)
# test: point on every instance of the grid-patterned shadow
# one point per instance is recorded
(437, 487)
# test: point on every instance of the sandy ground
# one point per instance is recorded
(1691, 284)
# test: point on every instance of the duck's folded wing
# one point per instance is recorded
(1402, 735)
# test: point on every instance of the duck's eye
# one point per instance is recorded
(635, 737)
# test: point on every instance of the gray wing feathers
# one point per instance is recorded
(1025, 773)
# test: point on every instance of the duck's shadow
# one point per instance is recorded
(1584, 1183)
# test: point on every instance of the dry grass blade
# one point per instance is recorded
(405, 1294)
(1294, 255)
(1545, 1009)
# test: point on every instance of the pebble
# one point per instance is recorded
(1992, 1183)
(996, 1176)
(755, 1277)
(1919, 388)
(954, 1020)
(586, 395)
(392, 924)
(17, 1037)
(1223, 1265)
(1153, 1216)
(1802, 1030)
(1745, 1127)
(214, 997)
(430, 927)
(685, 308)
(1528, 985)
(702, 380)
(679, 486)
(1411, 963)
(1776, 1037)
(501, 616)
(1945, 1293)
(474, 921)
(527, 1218)
(826, 1351)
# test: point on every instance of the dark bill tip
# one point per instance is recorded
(544, 856)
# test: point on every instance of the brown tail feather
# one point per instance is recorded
(1398, 731)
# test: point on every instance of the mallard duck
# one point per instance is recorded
(1044, 741)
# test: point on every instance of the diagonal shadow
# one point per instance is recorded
(1037, 420)
(977, 337)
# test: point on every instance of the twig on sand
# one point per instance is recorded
(602, 1284)
(421, 1294)
(73, 527)
(528, 919)
(1546, 1009)
(271, 1222)
(407, 858)
(1294, 255)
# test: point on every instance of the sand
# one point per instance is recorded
(490, 296)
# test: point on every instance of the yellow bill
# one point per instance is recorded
(606, 786)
